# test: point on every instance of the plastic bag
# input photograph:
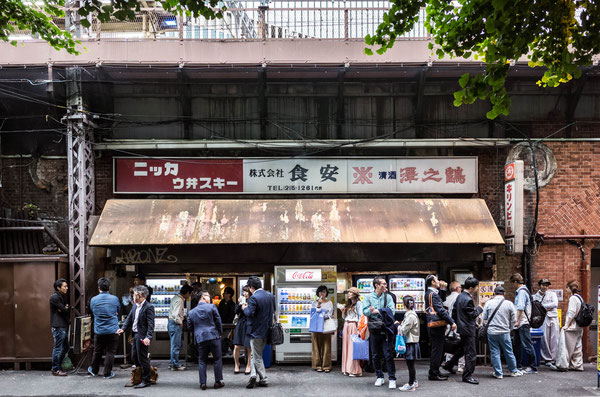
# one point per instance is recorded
(400, 343)
(317, 320)
(562, 356)
(360, 348)
(67, 364)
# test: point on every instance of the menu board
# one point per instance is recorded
(486, 288)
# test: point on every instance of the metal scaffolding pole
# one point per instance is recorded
(80, 156)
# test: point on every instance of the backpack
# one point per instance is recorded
(586, 314)
(538, 312)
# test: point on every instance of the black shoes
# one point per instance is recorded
(471, 380)
(438, 377)
(251, 383)
(219, 385)
(141, 385)
(262, 384)
(203, 386)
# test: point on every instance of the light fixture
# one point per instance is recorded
(222, 286)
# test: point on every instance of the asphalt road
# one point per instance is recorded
(288, 381)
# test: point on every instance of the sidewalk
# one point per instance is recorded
(292, 381)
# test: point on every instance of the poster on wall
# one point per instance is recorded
(486, 289)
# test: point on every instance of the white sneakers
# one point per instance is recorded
(408, 387)
(516, 373)
(379, 382)
(392, 384)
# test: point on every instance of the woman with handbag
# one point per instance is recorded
(240, 335)
(351, 314)
(321, 341)
(411, 330)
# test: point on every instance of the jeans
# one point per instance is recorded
(61, 347)
(523, 341)
(258, 370)
(213, 346)
(502, 341)
(175, 332)
(382, 346)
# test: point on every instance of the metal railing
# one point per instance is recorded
(245, 20)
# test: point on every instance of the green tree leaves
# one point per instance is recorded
(560, 35)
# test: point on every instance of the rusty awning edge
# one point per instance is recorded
(271, 221)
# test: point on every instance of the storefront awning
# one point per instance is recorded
(177, 222)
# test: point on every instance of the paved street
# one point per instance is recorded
(299, 381)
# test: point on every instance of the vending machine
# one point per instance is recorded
(164, 289)
(408, 285)
(364, 283)
(295, 289)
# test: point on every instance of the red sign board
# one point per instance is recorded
(509, 172)
(150, 175)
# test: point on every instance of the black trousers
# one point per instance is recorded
(436, 339)
(139, 356)
(468, 349)
(107, 345)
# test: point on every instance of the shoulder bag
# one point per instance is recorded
(275, 336)
(483, 331)
(375, 323)
(433, 319)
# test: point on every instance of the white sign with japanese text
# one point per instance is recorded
(361, 175)
(303, 275)
(513, 206)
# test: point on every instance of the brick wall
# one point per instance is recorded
(570, 204)
(42, 182)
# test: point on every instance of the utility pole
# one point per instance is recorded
(80, 156)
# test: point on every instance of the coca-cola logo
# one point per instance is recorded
(303, 275)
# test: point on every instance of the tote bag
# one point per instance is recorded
(360, 348)
(317, 320)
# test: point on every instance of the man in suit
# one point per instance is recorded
(465, 314)
(259, 312)
(436, 333)
(141, 321)
(205, 323)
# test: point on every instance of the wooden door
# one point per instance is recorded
(33, 285)
(7, 311)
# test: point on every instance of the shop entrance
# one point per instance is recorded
(225, 291)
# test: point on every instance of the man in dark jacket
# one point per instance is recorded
(205, 323)
(437, 332)
(59, 321)
(259, 312)
(465, 314)
(141, 321)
